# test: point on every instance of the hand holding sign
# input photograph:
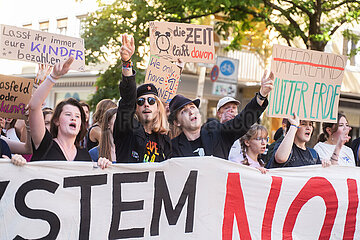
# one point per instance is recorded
(267, 83)
(128, 48)
(61, 69)
(294, 120)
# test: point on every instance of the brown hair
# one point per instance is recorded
(104, 143)
(57, 111)
(253, 131)
(101, 108)
(333, 126)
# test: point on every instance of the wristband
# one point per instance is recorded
(261, 97)
(49, 77)
(294, 125)
(128, 64)
(333, 159)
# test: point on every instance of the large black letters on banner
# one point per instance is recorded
(85, 183)
(23, 210)
(120, 206)
(162, 195)
(3, 186)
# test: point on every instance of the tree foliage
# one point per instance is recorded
(311, 22)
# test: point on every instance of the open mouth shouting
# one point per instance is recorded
(72, 125)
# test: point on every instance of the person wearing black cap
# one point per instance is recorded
(140, 129)
(213, 138)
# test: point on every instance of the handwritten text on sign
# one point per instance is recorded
(306, 82)
(165, 76)
(183, 198)
(191, 43)
(40, 47)
(15, 94)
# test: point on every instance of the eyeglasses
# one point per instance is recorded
(262, 139)
(150, 100)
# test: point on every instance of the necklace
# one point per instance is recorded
(63, 149)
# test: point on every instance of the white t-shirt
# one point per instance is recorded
(325, 151)
(236, 154)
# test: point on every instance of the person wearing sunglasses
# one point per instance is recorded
(213, 138)
(292, 150)
(141, 127)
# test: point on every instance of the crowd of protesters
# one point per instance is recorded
(141, 128)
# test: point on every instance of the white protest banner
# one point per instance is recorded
(182, 198)
(165, 76)
(191, 43)
(15, 94)
(40, 47)
(307, 82)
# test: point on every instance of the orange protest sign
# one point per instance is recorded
(40, 47)
(15, 94)
(307, 82)
(165, 76)
(191, 43)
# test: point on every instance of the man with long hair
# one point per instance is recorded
(141, 127)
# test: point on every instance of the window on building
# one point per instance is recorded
(81, 23)
(62, 26)
(44, 26)
(350, 47)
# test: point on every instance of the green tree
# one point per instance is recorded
(311, 22)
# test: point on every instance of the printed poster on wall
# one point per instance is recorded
(190, 42)
(29, 45)
(15, 94)
(165, 76)
(307, 83)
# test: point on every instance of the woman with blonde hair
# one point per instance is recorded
(253, 144)
(94, 133)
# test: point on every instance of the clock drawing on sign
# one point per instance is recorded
(162, 41)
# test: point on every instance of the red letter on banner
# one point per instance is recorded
(316, 186)
(234, 205)
(270, 207)
(350, 223)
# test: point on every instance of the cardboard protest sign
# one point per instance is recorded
(191, 43)
(15, 94)
(307, 82)
(40, 47)
(165, 76)
(182, 198)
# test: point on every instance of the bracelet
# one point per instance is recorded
(261, 97)
(49, 77)
(333, 159)
(334, 153)
(128, 64)
(294, 125)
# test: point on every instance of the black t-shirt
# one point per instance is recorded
(50, 150)
(5, 150)
(298, 157)
(153, 153)
(197, 147)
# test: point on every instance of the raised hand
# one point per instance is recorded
(267, 83)
(61, 68)
(128, 48)
(43, 71)
(294, 120)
